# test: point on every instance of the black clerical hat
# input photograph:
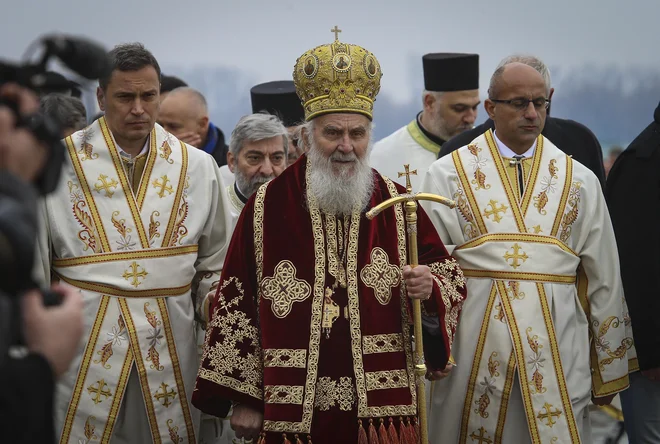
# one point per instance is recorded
(278, 98)
(451, 71)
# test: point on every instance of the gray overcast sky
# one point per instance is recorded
(265, 37)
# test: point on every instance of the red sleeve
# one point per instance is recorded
(231, 367)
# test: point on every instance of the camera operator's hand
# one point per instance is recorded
(54, 332)
(20, 152)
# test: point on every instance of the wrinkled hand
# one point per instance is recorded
(190, 138)
(439, 374)
(652, 374)
(603, 400)
(419, 281)
(246, 422)
(54, 332)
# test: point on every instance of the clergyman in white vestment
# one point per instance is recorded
(138, 225)
(450, 101)
(545, 326)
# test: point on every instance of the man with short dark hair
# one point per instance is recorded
(138, 226)
(69, 112)
(532, 234)
(185, 114)
(168, 84)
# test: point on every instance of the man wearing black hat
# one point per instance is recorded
(450, 99)
(185, 114)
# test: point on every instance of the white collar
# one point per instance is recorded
(144, 149)
(505, 151)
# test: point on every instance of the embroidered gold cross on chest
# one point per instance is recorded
(515, 257)
(163, 186)
(283, 289)
(549, 415)
(482, 437)
(380, 275)
(495, 210)
(135, 274)
(165, 396)
(106, 186)
(96, 392)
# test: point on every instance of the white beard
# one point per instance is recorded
(340, 188)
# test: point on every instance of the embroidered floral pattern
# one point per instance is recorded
(387, 379)
(86, 148)
(174, 432)
(155, 335)
(165, 152)
(388, 343)
(153, 227)
(535, 363)
(88, 234)
(603, 345)
(285, 357)
(488, 386)
(547, 186)
(477, 164)
(469, 229)
(572, 214)
(331, 393)
(283, 394)
(124, 243)
(115, 338)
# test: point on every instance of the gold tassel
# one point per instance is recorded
(286, 440)
(262, 439)
(416, 429)
(391, 431)
(309, 439)
(362, 434)
(373, 435)
(298, 441)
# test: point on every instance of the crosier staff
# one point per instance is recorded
(410, 206)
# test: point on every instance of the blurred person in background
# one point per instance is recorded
(68, 111)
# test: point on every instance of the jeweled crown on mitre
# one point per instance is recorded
(337, 78)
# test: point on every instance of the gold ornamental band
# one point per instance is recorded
(154, 253)
(114, 291)
(520, 276)
(516, 237)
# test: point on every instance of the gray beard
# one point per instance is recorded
(248, 186)
(340, 188)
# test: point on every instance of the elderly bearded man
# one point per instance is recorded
(532, 234)
(310, 334)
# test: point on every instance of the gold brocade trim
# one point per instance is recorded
(283, 394)
(148, 168)
(285, 357)
(111, 257)
(423, 141)
(476, 361)
(334, 267)
(405, 324)
(176, 366)
(84, 367)
(142, 371)
(506, 394)
(448, 286)
(387, 379)
(175, 216)
(520, 276)
(119, 395)
(467, 189)
(259, 238)
(233, 198)
(568, 180)
(330, 393)
(522, 369)
(387, 343)
(381, 276)
(514, 203)
(91, 204)
(230, 382)
(559, 369)
(128, 192)
(113, 291)
(283, 289)
(516, 237)
(533, 176)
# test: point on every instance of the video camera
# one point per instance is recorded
(82, 56)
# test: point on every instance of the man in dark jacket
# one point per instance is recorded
(571, 137)
(185, 114)
(633, 197)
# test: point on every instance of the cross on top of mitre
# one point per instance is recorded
(336, 30)
(407, 173)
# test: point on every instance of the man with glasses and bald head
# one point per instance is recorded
(533, 237)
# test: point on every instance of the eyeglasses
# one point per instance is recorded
(521, 104)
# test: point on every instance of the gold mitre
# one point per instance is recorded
(337, 78)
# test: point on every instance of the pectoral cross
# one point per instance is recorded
(165, 396)
(98, 391)
(105, 185)
(549, 415)
(515, 256)
(336, 30)
(481, 437)
(407, 173)
(330, 312)
(135, 274)
(163, 186)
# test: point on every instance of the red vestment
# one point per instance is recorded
(265, 345)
